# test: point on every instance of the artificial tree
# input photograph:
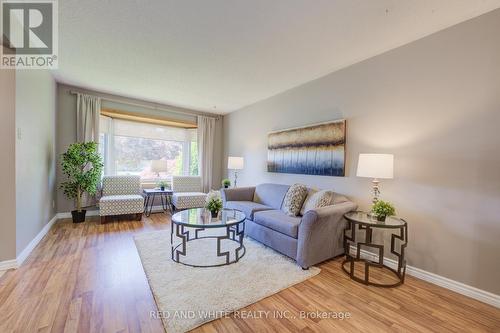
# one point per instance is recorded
(82, 165)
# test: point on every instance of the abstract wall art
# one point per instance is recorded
(312, 150)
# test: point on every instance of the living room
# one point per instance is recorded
(250, 166)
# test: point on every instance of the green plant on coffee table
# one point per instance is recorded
(162, 184)
(213, 202)
(82, 165)
(226, 183)
(381, 209)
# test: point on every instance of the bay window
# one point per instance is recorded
(129, 147)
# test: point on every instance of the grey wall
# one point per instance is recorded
(65, 135)
(8, 165)
(35, 153)
(66, 128)
(435, 104)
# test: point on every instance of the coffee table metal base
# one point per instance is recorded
(234, 233)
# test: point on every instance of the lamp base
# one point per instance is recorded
(376, 190)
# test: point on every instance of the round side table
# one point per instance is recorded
(365, 222)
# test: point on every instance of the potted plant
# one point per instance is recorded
(214, 203)
(162, 184)
(382, 209)
(82, 165)
(226, 183)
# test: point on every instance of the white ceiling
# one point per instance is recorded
(221, 55)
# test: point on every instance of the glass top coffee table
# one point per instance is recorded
(198, 225)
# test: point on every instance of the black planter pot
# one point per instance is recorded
(162, 188)
(226, 186)
(78, 217)
(381, 218)
(214, 213)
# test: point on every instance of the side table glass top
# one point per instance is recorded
(156, 191)
(201, 217)
(364, 218)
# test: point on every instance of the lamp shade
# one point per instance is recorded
(375, 166)
(159, 166)
(235, 163)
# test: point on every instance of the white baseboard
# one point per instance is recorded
(461, 288)
(8, 264)
(95, 212)
(67, 215)
(34, 242)
(15, 263)
(157, 209)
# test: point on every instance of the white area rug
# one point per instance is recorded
(188, 297)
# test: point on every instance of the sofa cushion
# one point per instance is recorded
(278, 221)
(121, 204)
(247, 207)
(186, 200)
(294, 199)
(271, 195)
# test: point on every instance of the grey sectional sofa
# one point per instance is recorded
(309, 239)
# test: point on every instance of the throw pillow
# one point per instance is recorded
(294, 199)
(338, 199)
(319, 199)
(308, 197)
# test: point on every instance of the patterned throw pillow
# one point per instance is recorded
(309, 195)
(338, 199)
(317, 200)
(294, 199)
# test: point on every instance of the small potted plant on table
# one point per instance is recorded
(382, 209)
(214, 203)
(162, 185)
(82, 165)
(226, 183)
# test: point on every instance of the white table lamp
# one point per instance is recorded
(376, 166)
(235, 163)
(158, 166)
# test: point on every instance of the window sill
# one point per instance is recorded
(148, 184)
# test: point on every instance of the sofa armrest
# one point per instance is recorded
(237, 194)
(321, 233)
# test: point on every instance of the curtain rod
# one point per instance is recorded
(73, 92)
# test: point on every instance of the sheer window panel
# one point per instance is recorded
(129, 147)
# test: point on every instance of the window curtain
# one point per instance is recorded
(88, 109)
(206, 142)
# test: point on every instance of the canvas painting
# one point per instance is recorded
(311, 150)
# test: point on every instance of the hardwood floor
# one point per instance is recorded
(89, 278)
